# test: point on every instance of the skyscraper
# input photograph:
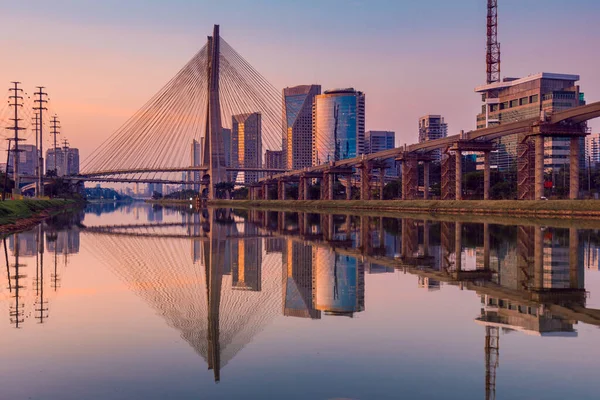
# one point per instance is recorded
(67, 160)
(432, 127)
(195, 161)
(592, 149)
(246, 144)
(274, 159)
(376, 141)
(28, 159)
(338, 125)
(297, 119)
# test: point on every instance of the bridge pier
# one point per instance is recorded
(349, 187)
(327, 186)
(410, 176)
(381, 182)
(448, 176)
(486, 175)
(365, 177)
(574, 169)
(425, 180)
(539, 167)
(458, 177)
(281, 189)
(303, 189)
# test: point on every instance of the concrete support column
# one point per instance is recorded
(381, 182)
(426, 238)
(365, 187)
(574, 173)
(426, 180)
(349, 188)
(330, 181)
(458, 194)
(265, 192)
(303, 189)
(538, 258)
(486, 175)
(539, 167)
(486, 246)
(458, 245)
(574, 277)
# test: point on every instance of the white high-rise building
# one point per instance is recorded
(432, 127)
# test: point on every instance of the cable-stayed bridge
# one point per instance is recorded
(218, 88)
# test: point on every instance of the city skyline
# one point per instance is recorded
(91, 114)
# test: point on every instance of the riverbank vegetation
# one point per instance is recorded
(19, 211)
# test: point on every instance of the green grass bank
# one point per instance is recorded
(18, 214)
(509, 208)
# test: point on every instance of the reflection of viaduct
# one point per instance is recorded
(537, 267)
(536, 288)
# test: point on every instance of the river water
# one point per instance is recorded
(142, 302)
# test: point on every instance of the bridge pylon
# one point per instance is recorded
(214, 148)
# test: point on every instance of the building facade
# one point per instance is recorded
(532, 97)
(298, 124)
(592, 150)
(274, 159)
(338, 125)
(28, 159)
(376, 141)
(246, 145)
(67, 161)
(432, 127)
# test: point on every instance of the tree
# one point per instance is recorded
(222, 188)
(392, 190)
(156, 195)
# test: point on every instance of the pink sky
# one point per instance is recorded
(101, 62)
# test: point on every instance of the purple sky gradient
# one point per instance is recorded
(101, 61)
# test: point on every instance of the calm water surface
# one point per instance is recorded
(135, 301)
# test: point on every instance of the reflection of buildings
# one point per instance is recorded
(274, 245)
(340, 283)
(246, 264)
(532, 319)
(155, 214)
(63, 242)
(298, 281)
(26, 246)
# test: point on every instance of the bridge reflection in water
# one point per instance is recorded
(224, 275)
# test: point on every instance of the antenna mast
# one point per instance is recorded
(493, 47)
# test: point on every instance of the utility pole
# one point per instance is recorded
(40, 109)
(36, 125)
(6, 172)
(55, 132)
(17, 101)
(65, 152)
